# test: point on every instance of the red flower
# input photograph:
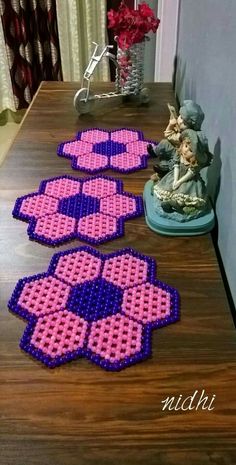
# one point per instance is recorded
(145, 10)
(130, 26)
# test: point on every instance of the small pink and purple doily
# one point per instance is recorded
(102, 307)
(94, 150)
(90, 209)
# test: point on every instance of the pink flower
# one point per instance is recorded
(130, 26)
(145, 10)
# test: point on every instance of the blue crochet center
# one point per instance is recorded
(109, 148)
(79, 205)
(94, 300)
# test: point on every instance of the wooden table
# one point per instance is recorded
(79, 414)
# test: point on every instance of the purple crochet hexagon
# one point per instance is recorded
(94, 150)
(102, 307)
(91, 209)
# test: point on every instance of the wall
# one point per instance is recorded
(206, 72)
(149, 57)
(160, 50)
(166, 36)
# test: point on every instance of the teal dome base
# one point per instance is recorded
(171, 227)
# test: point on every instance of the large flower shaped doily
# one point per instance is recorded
(102, 307)
(93, 150)
(91, 209)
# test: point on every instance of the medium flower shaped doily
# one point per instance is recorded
(102, 307)
(91, 209)
(94, 150)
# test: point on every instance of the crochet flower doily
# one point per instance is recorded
(91, 209)
(102, 307)
(123, 150)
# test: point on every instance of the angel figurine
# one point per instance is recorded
(190, 116)
(181, 194)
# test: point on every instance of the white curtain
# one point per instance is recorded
(6, 93)
(79, 23)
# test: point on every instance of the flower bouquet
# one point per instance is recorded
(130, 29)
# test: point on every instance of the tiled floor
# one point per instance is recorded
(9, 126)
(7, 135)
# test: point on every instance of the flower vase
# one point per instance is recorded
(130, 71)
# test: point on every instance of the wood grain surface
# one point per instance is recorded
(79, 414)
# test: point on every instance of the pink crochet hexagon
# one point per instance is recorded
(124, 136)
(116, 270)
(78, 267)
(44, 295)
(97, 226)
(54, 226)
(121, 147)
(138, 147)
(59, 333)
(38, 204)
(118, 205)
(115, 338)
(146, 303)
(76, 148)
(92, 161)
(127, 160)
(54, 212)
(99, 187)
(94, 136)
(82, 307)
(62, 187)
